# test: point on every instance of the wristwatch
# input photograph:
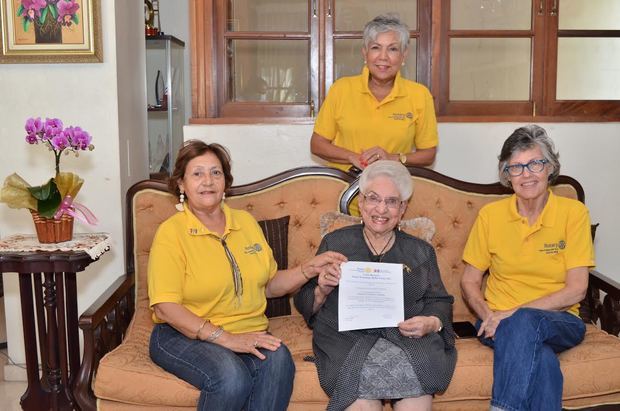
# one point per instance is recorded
(402, 157)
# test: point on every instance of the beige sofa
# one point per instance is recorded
(123, 377)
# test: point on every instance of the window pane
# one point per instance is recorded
(269, 70)
(588, 69)
(268, 15)
(589, 15)
(352, 15)
(490, 69)
(348, 60)
(490, 14)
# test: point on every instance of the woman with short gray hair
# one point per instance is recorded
(405, 364)
(377, 115)
(537, 248)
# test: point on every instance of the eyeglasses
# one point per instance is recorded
(374, 200)
(535, 166)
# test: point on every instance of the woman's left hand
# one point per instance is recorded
(373, 154)
(418, 326)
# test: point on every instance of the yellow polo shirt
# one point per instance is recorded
(351, 117)
(188, 266)
(528, 262)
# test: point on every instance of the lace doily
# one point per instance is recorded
(94, 244)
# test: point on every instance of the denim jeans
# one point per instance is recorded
(226, 380)
(526, 370)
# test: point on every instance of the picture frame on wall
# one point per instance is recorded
(50, 31)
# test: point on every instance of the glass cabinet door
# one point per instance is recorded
(166, 111)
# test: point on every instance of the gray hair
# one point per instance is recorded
(394, 170)
(526, 138)
(385, 23)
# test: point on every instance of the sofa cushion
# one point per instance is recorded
(588, 369)
(276, 234)
(420, 227)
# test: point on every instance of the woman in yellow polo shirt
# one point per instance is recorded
(538, 249)
(377, 115)
(210, 272)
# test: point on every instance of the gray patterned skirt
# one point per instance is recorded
(388, 374)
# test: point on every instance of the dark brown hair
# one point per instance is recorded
(195, 148)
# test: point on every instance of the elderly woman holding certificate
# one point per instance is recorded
(407, 363)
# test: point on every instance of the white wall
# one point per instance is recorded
(86, 95)
(589, 152)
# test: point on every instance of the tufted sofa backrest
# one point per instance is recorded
(453, 206)
(304, 194)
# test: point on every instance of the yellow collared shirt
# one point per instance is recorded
(188, 266)
(528, 262)
(351, 117)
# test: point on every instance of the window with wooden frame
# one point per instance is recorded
(528, 60)
(484, 60)
(257, 60)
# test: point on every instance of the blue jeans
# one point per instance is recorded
(526, 370)
(226, 380)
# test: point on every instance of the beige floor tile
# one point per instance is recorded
(10, 393)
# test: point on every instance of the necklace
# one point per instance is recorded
(377, 256)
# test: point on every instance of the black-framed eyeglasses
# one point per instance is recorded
(374, 200)
(535, 166)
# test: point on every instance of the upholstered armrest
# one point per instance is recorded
(104, 324)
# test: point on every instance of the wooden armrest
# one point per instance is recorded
(104, 325)
(607, 311)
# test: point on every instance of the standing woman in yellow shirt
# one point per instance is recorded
(377, 115)
(210, 271)
(537, 248)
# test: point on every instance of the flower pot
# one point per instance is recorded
(48, 32)
(50, 230)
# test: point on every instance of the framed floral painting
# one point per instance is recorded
(50, 31)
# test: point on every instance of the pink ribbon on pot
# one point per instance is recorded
(67, 206)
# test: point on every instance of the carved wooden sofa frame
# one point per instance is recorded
(105, 323)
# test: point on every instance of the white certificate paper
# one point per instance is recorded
(370, 295)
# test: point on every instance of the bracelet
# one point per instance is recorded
(200, 329)
(301, 268)
(215, 334)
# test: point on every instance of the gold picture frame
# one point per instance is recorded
(63, 31)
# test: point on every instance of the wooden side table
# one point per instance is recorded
(55, 304)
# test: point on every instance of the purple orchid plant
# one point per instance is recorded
(59, 140)
(63, 11)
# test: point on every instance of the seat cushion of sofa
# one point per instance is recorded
(127, 374)
(588, 369)
(294, 332)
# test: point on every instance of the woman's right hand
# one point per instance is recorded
(249, 342)
(328, 279)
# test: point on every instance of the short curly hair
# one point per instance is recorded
(394, 170)
(526, 138)
(195, 148)
(383, 24)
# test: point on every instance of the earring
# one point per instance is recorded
(223, 196)
(402, 64)
(179, 206)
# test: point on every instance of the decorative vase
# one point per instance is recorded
(48, 32)
(50, 230)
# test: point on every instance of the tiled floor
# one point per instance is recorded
(10, 391)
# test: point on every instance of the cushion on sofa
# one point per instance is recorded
(421, 227)
(589, 370)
